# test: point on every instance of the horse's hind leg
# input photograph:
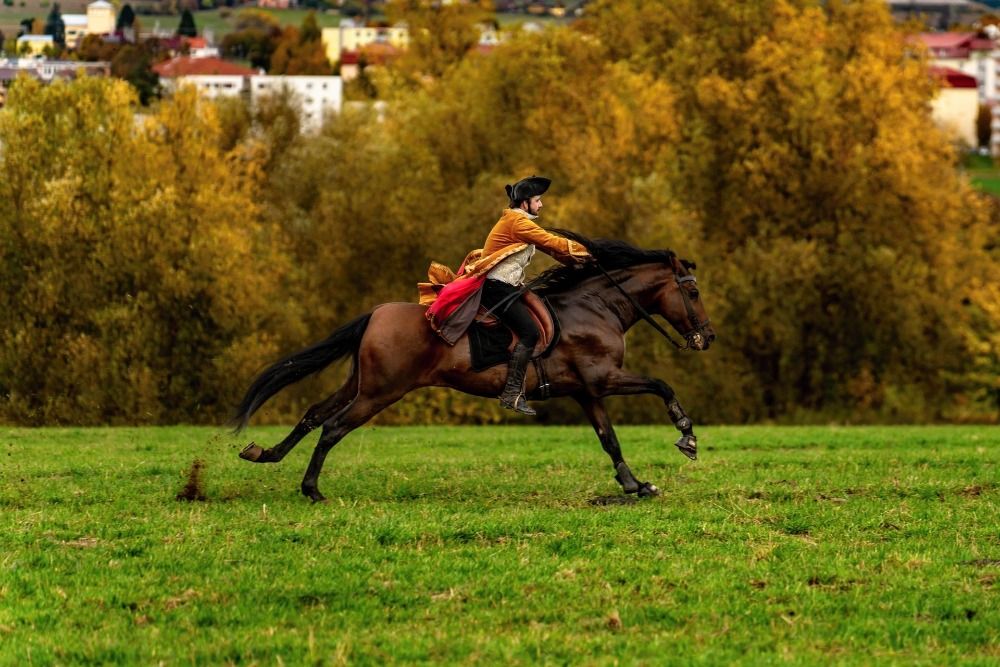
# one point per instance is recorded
(598, 416)
(316, 415)
(359, 412)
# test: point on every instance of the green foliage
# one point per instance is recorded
(55, 26)
(187, 27)
(126, 18)
(464, 545)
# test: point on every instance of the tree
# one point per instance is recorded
(187, 28)
(310, 32)
(441, 35)
(137, 285)
(984, 125)
(294, 55)
(126, 18)
(55, 26)
(808, 160)
(251, 44)
(134, 63)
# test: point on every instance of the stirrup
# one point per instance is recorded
(517, 405)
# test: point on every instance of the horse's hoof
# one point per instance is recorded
(647, 490)
(631, 487)
(314, 495)
(252, 452)
(688, 444)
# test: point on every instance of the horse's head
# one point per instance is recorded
(680, 303)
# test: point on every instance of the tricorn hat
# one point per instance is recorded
(526, 188)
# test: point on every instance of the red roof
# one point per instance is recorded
(196, 42)
(952, 78)
(954, 44)
(184, 66)
(374, 54)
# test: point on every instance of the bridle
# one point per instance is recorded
(694, 337)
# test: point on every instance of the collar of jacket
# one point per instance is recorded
(525, 213)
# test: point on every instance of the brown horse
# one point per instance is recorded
(394, 352)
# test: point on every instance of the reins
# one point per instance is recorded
(639, 309)
(501, 305)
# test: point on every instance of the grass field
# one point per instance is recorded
(485, 545)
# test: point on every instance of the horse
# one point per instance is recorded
(394, 351)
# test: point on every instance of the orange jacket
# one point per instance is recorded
(512, 233)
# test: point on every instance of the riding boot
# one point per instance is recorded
(512, 397)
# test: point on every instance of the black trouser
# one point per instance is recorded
(514, 314)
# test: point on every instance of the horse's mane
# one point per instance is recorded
(610, 253)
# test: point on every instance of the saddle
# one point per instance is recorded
(491, 342)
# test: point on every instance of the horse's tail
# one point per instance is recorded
(293, 368)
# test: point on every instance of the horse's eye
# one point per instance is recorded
(694, 294)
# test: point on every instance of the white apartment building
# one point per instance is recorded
(316, 95)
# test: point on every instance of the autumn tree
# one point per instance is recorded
(137, 279)
(441, 35)
(254, 38)
(842, 235)
(300, 52)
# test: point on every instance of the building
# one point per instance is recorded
(212, 77)
(100, 18)
(317, 96)
(349, 36)
(370, 55)
(46, 71)
(76, 28)
(972, 53)
(34, 45)
(938, 14)
(957, 105)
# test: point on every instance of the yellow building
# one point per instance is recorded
(957, 104)
(34, 45)
(351, 37)
(100, 18)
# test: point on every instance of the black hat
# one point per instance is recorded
(526, 188)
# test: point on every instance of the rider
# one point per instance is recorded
(504, 280)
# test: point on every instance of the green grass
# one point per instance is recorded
(220, 25)
(986, 180)
(481, 545)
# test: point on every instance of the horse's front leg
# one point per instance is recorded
(598, 416)
(621, 383)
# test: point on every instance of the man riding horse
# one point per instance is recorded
(496, 273)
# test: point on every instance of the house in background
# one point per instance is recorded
(957, 104)
(34, 45)
(316, 96)
(350, 36)
(938, 14)
(46, 71)
(975, 54)
(212, 77)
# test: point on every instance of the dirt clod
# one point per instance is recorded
(193, 487)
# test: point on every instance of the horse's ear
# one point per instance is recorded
(688, 264)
